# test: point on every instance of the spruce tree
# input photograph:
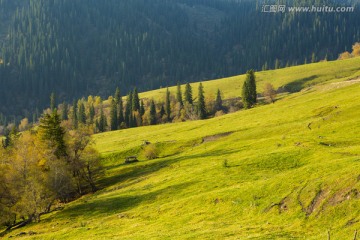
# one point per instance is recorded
(167, 105)
(218, 101)
(201, 102)
(102, 121)
(135, 100)
(128, 109)
(188, 94)
(245, 95)
(179, 95)
(152, 113)
(91, 113)
(117, 95)
(51, 131)
(162, 111)
(113, 116)
(249, 95)
(81, 113)
(252, 87)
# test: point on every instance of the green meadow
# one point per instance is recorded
(288, 170)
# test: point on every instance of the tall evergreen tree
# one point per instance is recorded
(245, 95)
(135, 100)
(128, 109)
(179, 95)
(218, 101)
(102, 123)
(81, 113)
(51, 131)
(162, 111)
(113, 116)
(91, 113)
(201, 102)
(117, 95)
(252, 86)
(249, 94)
(168, 105)
(188, 94)
(152, 113)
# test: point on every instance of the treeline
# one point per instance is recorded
(119, 112)
(43, 167)
(88, 47)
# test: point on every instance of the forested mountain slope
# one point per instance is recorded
(80, 47)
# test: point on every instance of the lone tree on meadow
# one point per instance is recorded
(249, 95)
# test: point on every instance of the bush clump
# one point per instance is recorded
(151, 152)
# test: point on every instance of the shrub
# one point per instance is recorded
(151, 152)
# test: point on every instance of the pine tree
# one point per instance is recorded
(218, 101)
(252, 86)
(117, 95)
(64, 113)
(188, 94)
(152, 113)
(249, 94)
(51, 131)
(81, 113)
(201, 102)
(179, 95)
(91, 113)
(102, 123)
(135, 100)
(162, 111)
(167, 105)
(245, 95)
(128, 109)
(74, 117)
(113, 116)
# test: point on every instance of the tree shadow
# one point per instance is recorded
(298, 85)
(136, 173)
(118, 204)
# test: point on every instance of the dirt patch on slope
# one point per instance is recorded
(215, 137)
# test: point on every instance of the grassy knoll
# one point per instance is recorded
(288, 170)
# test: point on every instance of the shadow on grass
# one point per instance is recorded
(298, 85)
(119, 204)
(135, 173)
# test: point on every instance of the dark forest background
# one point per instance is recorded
(80, 47)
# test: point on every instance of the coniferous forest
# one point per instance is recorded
(75, 48)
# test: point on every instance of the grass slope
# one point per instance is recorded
(293, 170)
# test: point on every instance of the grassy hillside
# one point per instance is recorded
(288, 170)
